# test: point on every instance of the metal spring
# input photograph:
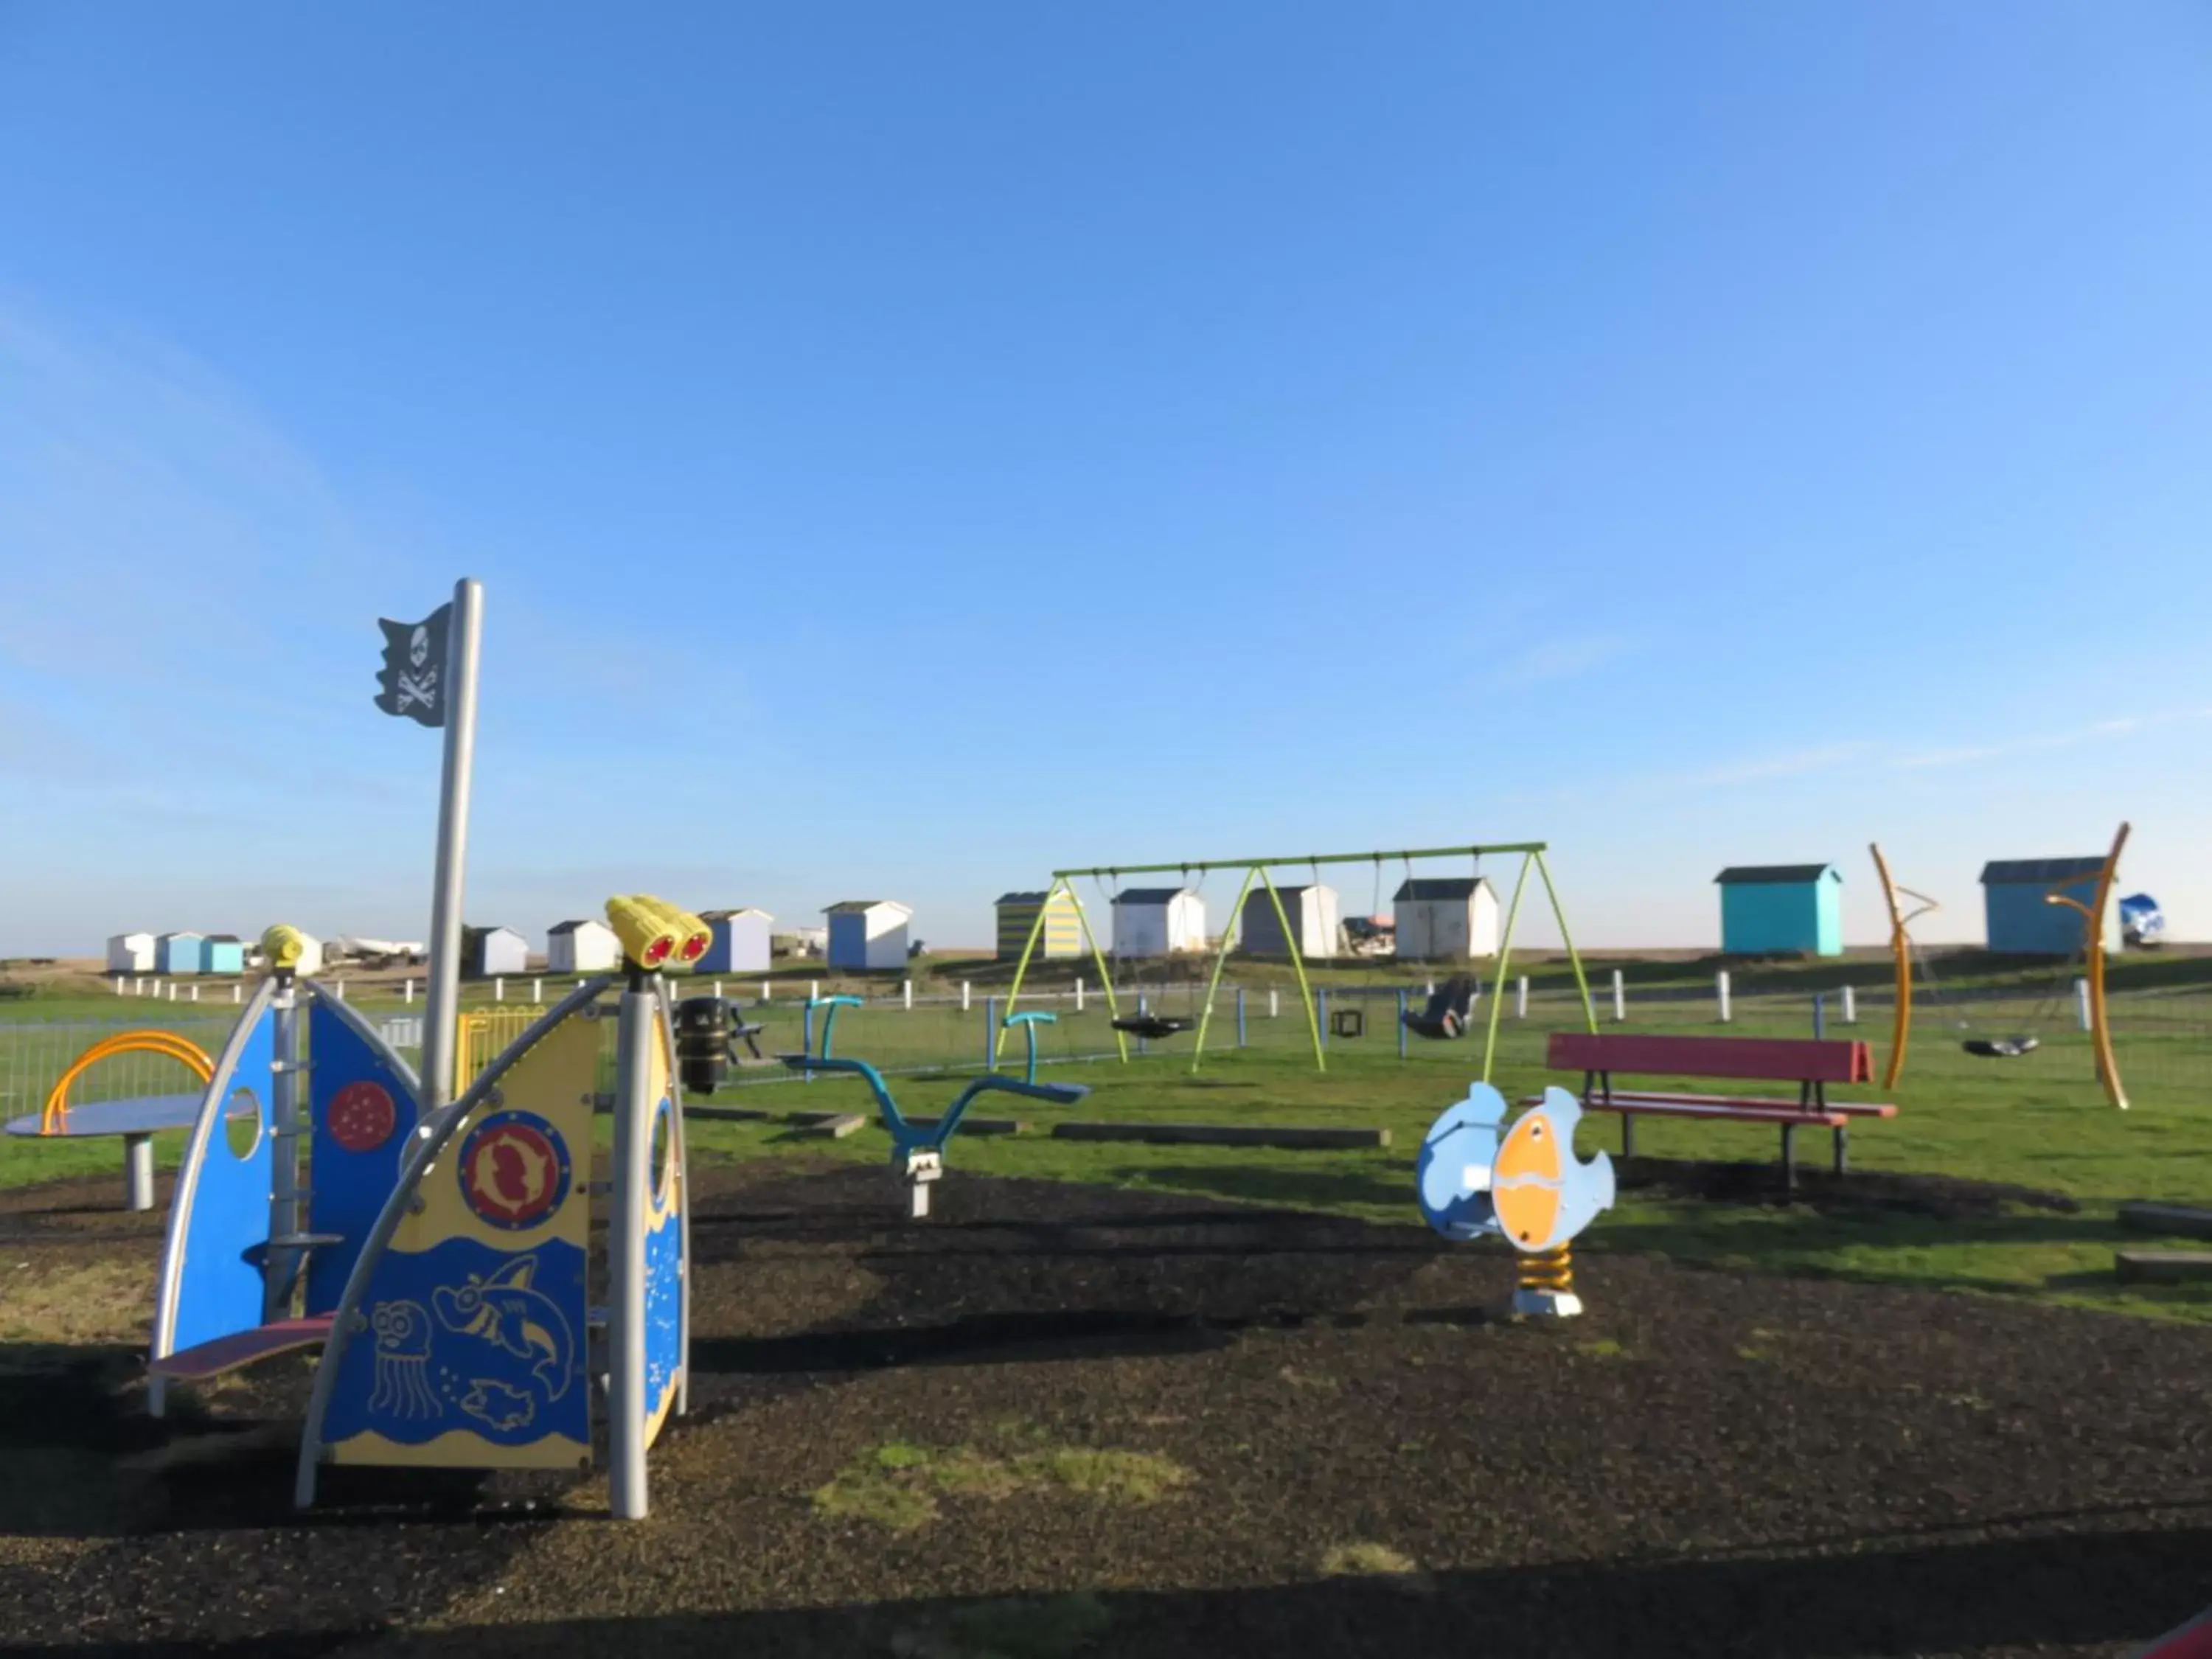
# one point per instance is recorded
(1548, 1270)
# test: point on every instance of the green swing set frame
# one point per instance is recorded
(1532, 856)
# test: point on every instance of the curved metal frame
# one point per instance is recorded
(1900, 947)
(2093, 950)
(53, 1116)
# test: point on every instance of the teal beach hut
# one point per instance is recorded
(1782, 906)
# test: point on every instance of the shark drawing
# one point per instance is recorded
(503, 1310)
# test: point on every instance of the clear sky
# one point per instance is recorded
(911, 447)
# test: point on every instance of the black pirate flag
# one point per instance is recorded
(413, 680)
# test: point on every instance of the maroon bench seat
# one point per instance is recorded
(241, 1348)
(1811, 1063)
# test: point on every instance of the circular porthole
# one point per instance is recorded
(241, 1123)
(663, 1154)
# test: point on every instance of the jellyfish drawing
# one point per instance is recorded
(403, 1361)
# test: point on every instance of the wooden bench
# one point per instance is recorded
(1810, 1063)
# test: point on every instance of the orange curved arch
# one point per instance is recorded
(53, 1118)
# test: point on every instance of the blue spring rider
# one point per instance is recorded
(918, 1146)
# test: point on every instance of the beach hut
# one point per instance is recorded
(1157, 921)
(179, 953)
(743, 942)
(583, 946)
(1063, 924)
(1311, 911)
(1768, 908)
(130, 953)
(2020, 921)
(867, 933)
(1445, 918)
(222, 953)
(490, 952)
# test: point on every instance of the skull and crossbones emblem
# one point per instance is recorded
(422, 685)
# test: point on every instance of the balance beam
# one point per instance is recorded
(2164, 1267)
(2176, 1220)
(978, 1126)
(1295, 1137)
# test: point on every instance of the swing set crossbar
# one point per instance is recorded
(1203, 865)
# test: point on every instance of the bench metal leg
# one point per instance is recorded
(1628, 1134)
(138, 1172)
(1790, 1160)
(1843, 1149)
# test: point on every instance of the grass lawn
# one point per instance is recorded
(2038, 1121)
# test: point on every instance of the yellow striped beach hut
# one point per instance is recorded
(1018, 914)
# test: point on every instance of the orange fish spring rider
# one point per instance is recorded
(1480, 1178)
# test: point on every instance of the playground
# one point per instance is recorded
(1132, 1397)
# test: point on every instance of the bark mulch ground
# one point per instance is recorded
(1057, 1420)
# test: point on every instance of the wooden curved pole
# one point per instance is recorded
(2093, 953)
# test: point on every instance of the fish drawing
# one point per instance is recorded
(503, 1310)
(1543, 1194)
(1458, 1157)
(498, 1406)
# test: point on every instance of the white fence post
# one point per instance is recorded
(1274, 1003)
(718, 990)
(119, 985)
(340, 989)
(499, 990)
(407, 991)
(1619, 997)
(1079, 994)
(1850, 1007)
(1520, 998)
(764, 987)
(964, 989)
(1721, 986)
(814, 990)
(906, 994)
(537, 990)
(2082, 1001)
(196, 994)
(234, 996)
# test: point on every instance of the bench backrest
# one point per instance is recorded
(1773, 1060)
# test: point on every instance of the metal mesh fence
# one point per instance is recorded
(2163, 1036)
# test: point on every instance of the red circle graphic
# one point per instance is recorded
(363, 1117)
(512, 1173)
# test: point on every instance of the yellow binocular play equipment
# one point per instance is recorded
(656, 934)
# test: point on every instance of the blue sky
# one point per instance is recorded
(911, 447)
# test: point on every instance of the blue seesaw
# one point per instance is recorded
(918, 1148)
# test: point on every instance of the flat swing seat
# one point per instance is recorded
(2007, 1048)
(144, 1115)
(243, 1348)
(1152, 1026)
